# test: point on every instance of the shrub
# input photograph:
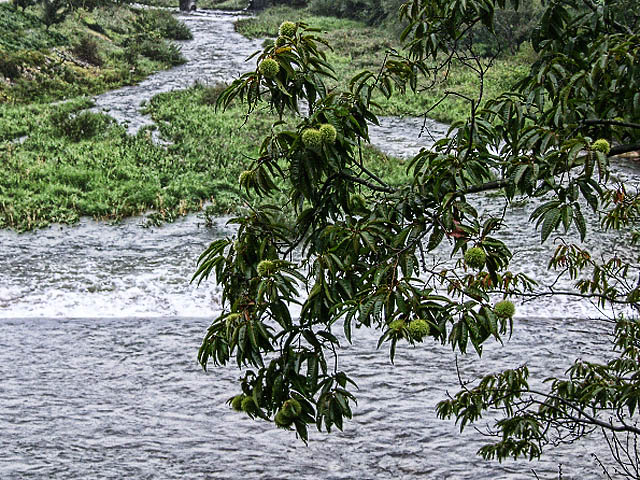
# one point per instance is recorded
(512, 29)
(9, 65)
(53, 11)
(92, 24)
(131, 52)
(164, 23)
(161, 51)
(372, 12)
(210, 93)
(80, 126)
(86, 4)
(87, 50)
(22, 4)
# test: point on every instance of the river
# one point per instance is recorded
(99, 329)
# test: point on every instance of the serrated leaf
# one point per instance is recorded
(551, 221)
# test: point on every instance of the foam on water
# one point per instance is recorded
(97, 270)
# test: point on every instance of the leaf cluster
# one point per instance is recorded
(357, 254)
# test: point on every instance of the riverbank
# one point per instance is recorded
(55, 158)
(61, 164)
(356, 46)
(89, 52)
(201, 4)
(63, 171)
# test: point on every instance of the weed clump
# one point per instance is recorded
(9, 65)
(210, 93)
(81, 126)
(87, 50)
(161, 51)
(163, 22)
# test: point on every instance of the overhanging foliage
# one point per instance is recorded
(355, 255)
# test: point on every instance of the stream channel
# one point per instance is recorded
(99, 329)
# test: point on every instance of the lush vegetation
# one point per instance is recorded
(361, 241)
(360, 220)
(101, 48)
(74, 162)
(355, 46)
(86, 53)
(59, 161)
(143, 178)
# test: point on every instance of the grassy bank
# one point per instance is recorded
(357, 46)
(74, 164)
(227, 141)
(88, 53)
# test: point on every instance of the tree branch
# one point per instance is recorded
(495, 185)
(552, 293)
(612, 122)
(620, 149)
(372, 186)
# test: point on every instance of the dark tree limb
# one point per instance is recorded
(616, 123)
(495, 185)
(366, 183)
(620, 149)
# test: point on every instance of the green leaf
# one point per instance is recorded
(551, 221)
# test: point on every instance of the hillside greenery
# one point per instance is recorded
(88, 52)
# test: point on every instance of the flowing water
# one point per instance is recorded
(216, 54)
(99, 329)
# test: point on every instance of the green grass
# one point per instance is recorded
(357, 47)
(267, 22)
(201, 4)
(24, 30)
(56, 175)
(42, 65)
(73, 164)
(225, 5)
(227, 141)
